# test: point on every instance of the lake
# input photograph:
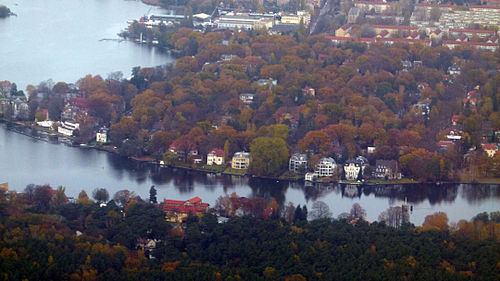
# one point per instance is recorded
(25, 160)
(62, 40)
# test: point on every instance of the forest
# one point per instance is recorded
(43, 236)
(308, 95)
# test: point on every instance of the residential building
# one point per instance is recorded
(480, 45)
(244, 21)
(308, 92)
(436, 34)
(394, 29)
(74, 108)
(267, 82)
(178, 211)
(102, 135)
(241, 160)
(354, 168)
(353, 15)
(287, 18)
(387, 169)
(481, 33)
(247, 98)
(377, 6)
(181, 149)
(490, 148)
(68, 128)
(215, 157)
(343, 31)
(20, 109)
(297, 163)
(325, 168)
(454, 69)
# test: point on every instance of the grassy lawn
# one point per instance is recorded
(401, 181)
(231, 171)
(290, 176)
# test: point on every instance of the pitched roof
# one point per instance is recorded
(403, 27)
(472, 30)
(217, 152)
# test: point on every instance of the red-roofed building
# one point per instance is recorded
(480, 45)
(178, 211)
(383, 34)
(462, 38)
(389, 41)
(392, 29)
(180, 149)
(490, 148)
(215, 157)
(414, 35)
(470, 32)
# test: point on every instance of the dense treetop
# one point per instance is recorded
(44, 237)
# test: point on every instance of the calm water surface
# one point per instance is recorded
(60, 40)
(25, 160)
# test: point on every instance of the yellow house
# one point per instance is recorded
(343, 31)
(241, 160)
(4, 186)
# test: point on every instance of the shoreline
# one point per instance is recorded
(151, 160)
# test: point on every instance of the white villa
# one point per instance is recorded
(325, 168)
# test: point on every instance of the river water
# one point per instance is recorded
(61, 40)
(25, 160)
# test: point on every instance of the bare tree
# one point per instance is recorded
(320, 210)
(124, 196)
(394, 216)
(357, 212)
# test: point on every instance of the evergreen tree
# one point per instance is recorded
(152, 195)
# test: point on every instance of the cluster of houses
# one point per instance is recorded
(353, 169)
(444, 24)
(229, 18)
(13, 104)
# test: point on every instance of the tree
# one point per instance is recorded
(357, 211)
(83, 198)
(152, 195)
(59, 198)
(316, 142)
(320, 210)
(100, 195)
(269, 156)
(394, 216)
(437, 221)
(123, 197)
(41, 198)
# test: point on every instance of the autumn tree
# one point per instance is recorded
(316, 142)
(437, 221)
